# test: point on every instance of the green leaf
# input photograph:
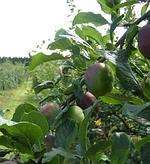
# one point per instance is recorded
(79, 62)
(111, 100)
(41, 58)
(62, 43)
(21, 109)
(133, 111)
(114, 25)
(79, 32)
(145, 113)
(66, 133)
(119, 98)
(38, 119)
(89, 17)
(90, 32)
(146, 86)
(6, 141)
(83, 130)
(120, 148)
(143, 141)
(125, 4)
(144, 8)
(59, 34)
(32, 132)
(23, 135)
(45, 85)
(125, 74)
(105, 6)
(102, 158)
(131, 33)
(48, 157)
(98, 147)
(145, 153)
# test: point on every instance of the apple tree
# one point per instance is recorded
(98, 107)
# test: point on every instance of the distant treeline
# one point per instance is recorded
(15, 60)
(12, 72)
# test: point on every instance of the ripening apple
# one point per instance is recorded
(49, 110)
(86, 100)
(143, 41)
(98, 79)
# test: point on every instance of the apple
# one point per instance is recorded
(86, 100)
(49, 110)
(98, 79)
(143, 41)
(76, 113)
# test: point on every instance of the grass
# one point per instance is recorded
(10, 99)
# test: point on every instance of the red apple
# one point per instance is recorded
(143, 41)
(49, 110)
(86, 100)
(98, 79)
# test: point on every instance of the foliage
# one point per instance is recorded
(11, 75)
(15, 60)
(116, 127)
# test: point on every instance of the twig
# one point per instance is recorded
(69, 100)
(123, 120)
(122, 39)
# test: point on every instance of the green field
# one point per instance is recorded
(10, 99)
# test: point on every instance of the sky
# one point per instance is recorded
(25, 23)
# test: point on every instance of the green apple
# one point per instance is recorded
(76, 113)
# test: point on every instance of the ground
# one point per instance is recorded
(10, 99)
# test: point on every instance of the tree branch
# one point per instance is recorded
(122, 39)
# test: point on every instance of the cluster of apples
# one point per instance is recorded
(98, 80)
